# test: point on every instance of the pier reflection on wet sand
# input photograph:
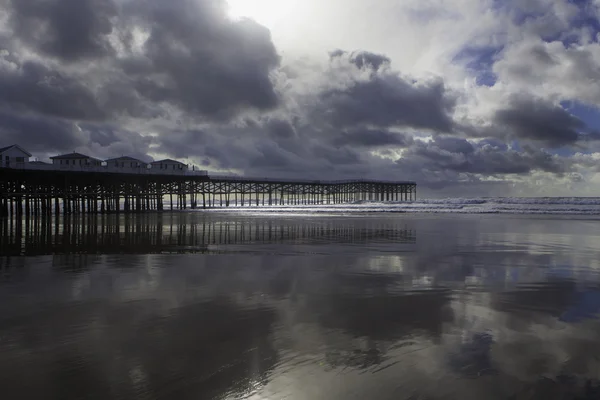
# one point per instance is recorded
(298, 308)
(181, 233)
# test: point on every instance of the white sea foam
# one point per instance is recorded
(481, 205)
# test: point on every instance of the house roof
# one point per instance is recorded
(167, 161)
(125, 158)
(73, 155)
(3, 149)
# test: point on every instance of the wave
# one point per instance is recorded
(480, 205)
(592, 201)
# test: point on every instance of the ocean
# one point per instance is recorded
(482, 298)
(479, 205)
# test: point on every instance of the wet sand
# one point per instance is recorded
(215, 306)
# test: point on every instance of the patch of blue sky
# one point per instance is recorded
(564, 151)
(479, 61)
(590, 117)
(582, 3)
(520, 16)
(498, 5)
(516, 146)
(573, 35)
(588, 114)
(585, 19)
(493, 142)
(486, 78)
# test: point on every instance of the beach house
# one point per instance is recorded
(126, 164)
(75, 161)
(14, 156)
(168, 166)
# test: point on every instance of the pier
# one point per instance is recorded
(46, 192)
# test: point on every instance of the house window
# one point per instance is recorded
(20, 159)
(73, 162)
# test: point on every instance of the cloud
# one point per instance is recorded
(196, 58)
(534, 119)
(371, 138)
(39, 133)
(458, 160)
(35, 88)
(362, 59)
(280, 128)
(184, 53)
(552, 69)
(450, 94)
(70, 30)
(383, 98)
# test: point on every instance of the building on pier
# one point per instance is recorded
(14, 156)
(75, 161)
(169, 166)
(126, 164)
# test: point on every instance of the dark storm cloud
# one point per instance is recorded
(334, 158)
(38, 89)
(184, 143)
(280, 129)
(201, 61)
(362, 59)
(453, 145)
(385, 100)
(365, 59)
(371, 138)
(147, 59)
(193, 57)
(461, 156)
(537, 120)
(104, 136)
(271, 156)
(66, 29)
(38, 133)
(109, 141)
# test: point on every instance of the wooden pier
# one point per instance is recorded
(33, 192)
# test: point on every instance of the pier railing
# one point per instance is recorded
(304, 181)
(105, 168)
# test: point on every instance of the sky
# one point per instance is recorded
(465, 97)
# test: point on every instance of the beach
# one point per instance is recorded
(345, 302)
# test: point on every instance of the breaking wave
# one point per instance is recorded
(481, 205)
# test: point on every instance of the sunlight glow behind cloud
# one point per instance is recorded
(269, 13)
